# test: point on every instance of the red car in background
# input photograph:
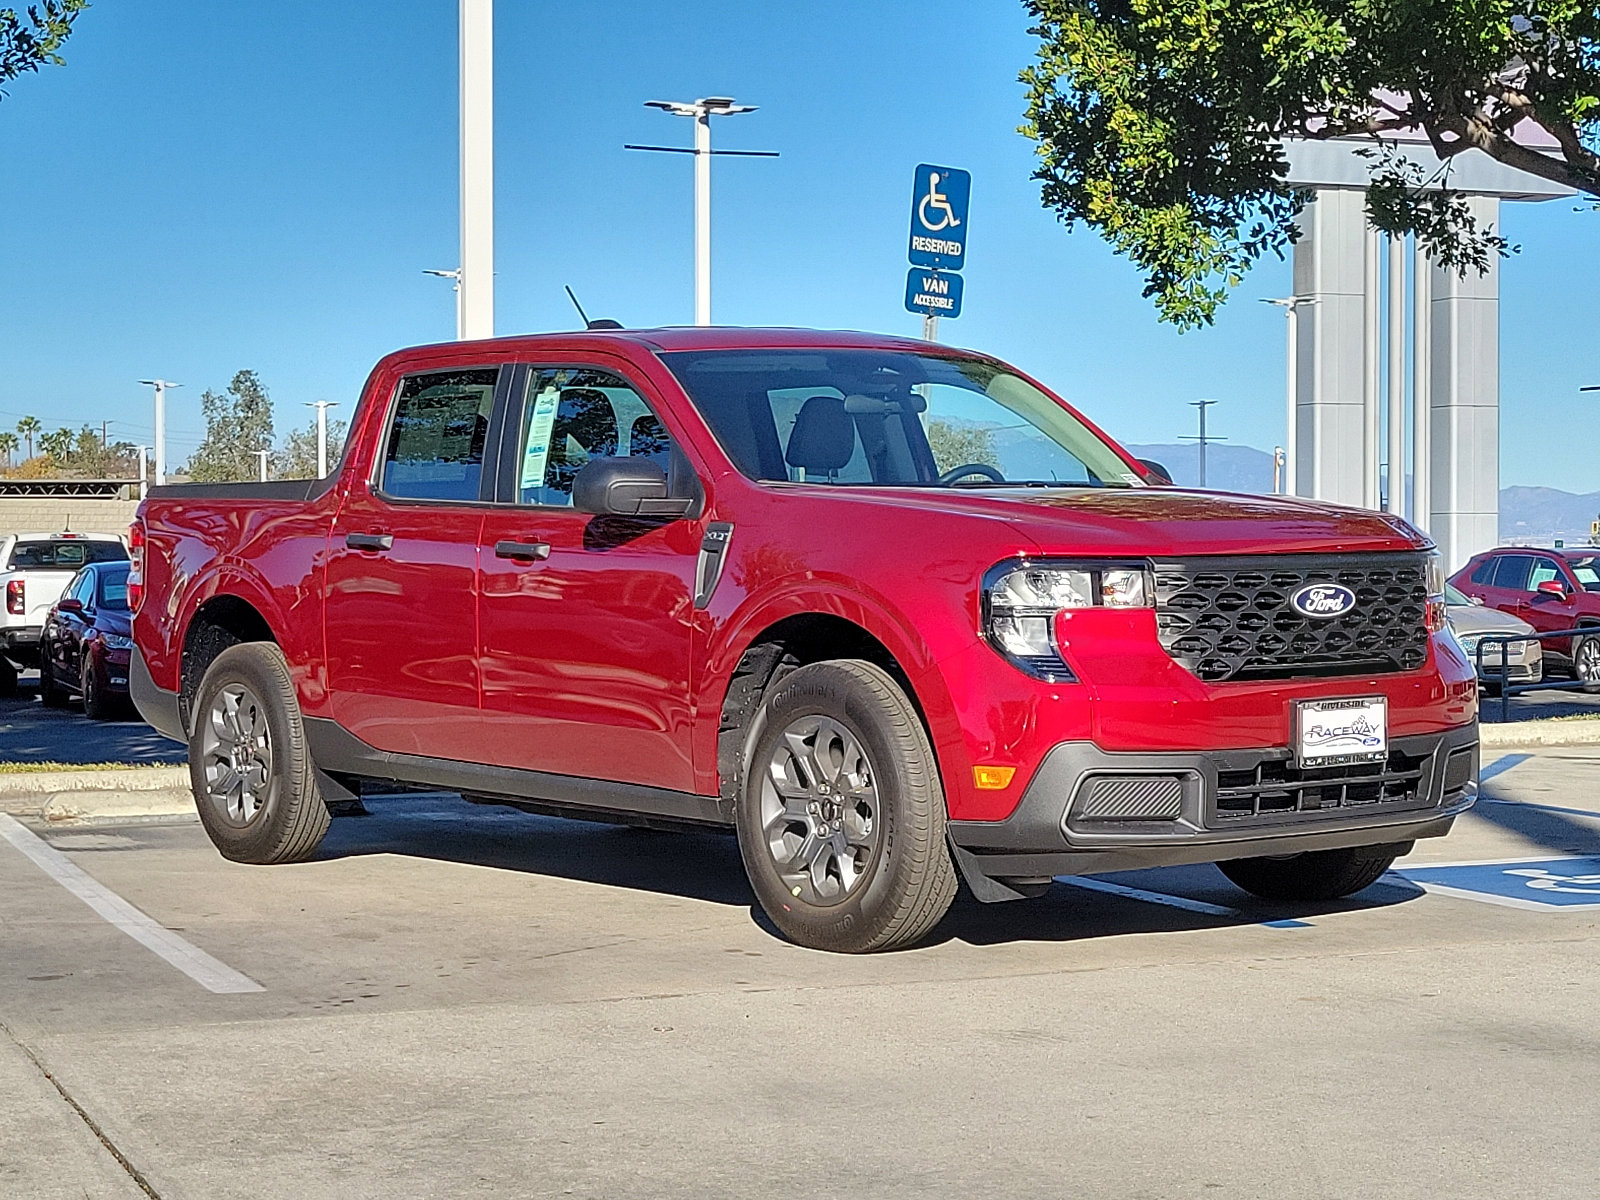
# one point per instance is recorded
(1551, 590)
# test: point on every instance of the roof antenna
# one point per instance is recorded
(598, 322)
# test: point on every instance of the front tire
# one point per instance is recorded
(97, 706)
(1315, 875)
(249, 768)
(840, 815)
(1586, 661)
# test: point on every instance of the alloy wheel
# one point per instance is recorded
(1588, 660)
(236, 745)
(820, 812)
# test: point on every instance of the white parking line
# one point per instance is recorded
(208, 972)
(1133, 893)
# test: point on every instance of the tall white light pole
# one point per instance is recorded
(1291, 309)
(476, 277)
(322, 407)
(161, 386)
(461, 316)
(1397, 375)
(702, 111)
(144, 466)
(263, 455)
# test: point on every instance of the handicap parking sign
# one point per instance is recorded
(933, 293)
(1539, 883)
(939, 198)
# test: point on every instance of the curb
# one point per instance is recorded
(93, 795)
(1550, 732)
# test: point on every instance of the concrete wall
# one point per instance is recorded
(42, 515)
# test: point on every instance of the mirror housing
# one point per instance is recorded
(69, 604)
(626, 487)
(1162, 475)
(1552, 587)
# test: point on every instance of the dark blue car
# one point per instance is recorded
(86, 643)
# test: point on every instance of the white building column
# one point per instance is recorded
(1464, 404)
(1330, 267)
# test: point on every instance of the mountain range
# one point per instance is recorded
(1527, 514)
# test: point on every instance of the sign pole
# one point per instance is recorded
(930, 328)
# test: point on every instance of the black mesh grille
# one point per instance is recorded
(1230, 618)
(1275, 789)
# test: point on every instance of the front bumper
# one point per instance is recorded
(1088, 810)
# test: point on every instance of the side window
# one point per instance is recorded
(1484, 574)
(1544, 570)
(83, 588)
(573, 415)
(1512, 572)
(436, 441)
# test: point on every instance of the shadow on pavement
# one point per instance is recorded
(32, 733)
(707, 866)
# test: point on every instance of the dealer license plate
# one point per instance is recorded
(1332, 733)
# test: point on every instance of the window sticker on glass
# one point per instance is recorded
(538, 449)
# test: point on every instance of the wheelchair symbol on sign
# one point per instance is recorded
(1549, 881)
(936, 200)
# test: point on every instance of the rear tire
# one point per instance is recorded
(840, 815)
(252, 776)
(51, 693)
(97, 706)
(1315, 875)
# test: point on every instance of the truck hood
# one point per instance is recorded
(1167, 521)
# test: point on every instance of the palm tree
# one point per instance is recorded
(8, 445)
(27, 427)
(58, 445)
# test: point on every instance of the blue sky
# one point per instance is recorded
(210, 187)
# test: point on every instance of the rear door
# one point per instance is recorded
(584, 622)
(402, 570)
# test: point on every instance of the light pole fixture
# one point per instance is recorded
(161, 386)
(1291, 307)
(263, 455)
(1203, 439)
(702, 111)
(461, 317)
(322, 407)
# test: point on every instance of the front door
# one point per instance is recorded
(402, 572)
(584, 622)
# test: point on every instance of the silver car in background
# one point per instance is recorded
(1470, 621)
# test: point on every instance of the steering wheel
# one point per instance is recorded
(965, 469)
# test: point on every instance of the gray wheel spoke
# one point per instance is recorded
(236, 754)
(819, 809)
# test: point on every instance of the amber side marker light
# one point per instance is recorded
(992, 779)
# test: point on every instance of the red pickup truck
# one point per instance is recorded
(892, 611)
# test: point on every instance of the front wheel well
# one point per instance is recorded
(220, 622)
(779, 649)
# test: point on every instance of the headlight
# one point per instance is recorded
(1433, 573)
(1021, 601)
(115, 641)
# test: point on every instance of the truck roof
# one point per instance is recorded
(687, 337)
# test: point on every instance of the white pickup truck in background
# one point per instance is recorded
(34, 570)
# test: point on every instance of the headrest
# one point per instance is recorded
(824, 436)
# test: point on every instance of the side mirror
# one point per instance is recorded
(626, 487)
(71, 604)
(1552, 587)
(1477, 601)
(1162, 475)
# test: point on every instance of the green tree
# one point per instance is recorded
(32, 39)
(8, 446)
(28, 427)
(957, 445)
(58, 445)
(238, 423)
(298, 458)
(1160, 123)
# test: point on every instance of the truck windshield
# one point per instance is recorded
(886, 418)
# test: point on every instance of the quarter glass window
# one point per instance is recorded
(441, 423)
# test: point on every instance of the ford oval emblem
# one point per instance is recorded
(1323, 600)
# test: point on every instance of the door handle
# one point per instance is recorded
(369, 541)
(526, 551)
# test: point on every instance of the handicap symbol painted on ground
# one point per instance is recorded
(1538, 883)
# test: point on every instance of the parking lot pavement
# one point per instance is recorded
(1543, 704)
(32, 733)
(466, 1001)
